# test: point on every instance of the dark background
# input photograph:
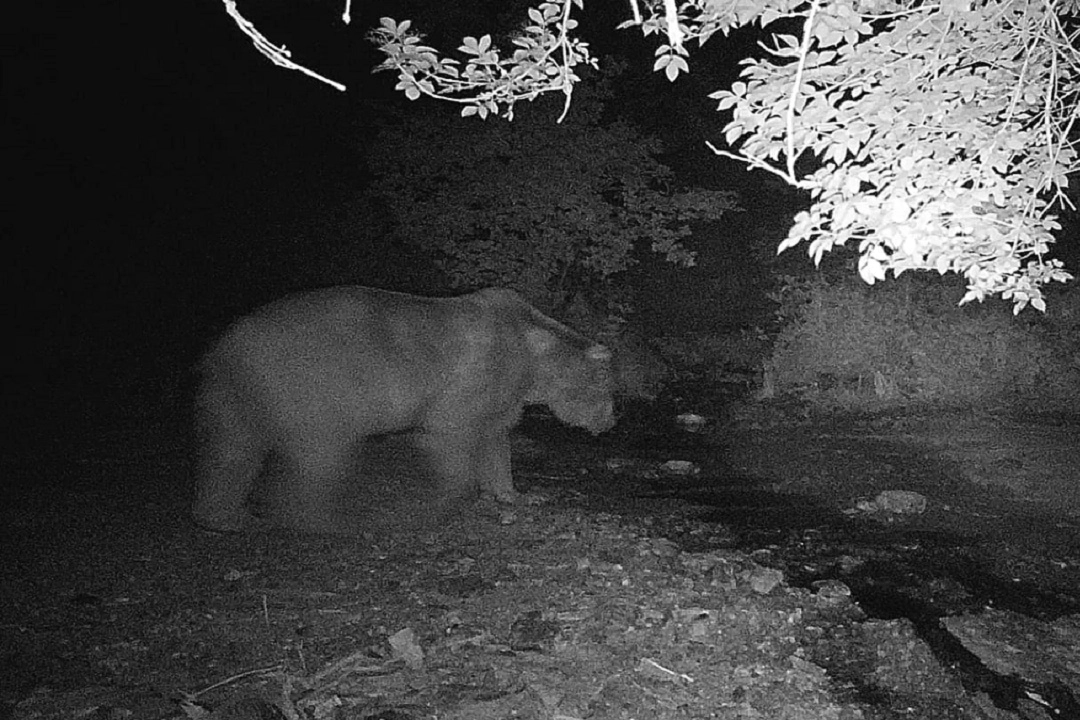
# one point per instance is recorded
(150, 150)
(147, 150)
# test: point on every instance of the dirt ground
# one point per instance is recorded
(759, 580)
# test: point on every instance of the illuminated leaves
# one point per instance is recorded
(671, 62)
(485, 82)
(936, 136)
(939, 142)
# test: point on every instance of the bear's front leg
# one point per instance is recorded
(471, 462)
(491, 466)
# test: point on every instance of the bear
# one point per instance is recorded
(291, 393)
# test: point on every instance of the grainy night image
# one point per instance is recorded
(477, 388)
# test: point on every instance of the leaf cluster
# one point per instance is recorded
(486, 82)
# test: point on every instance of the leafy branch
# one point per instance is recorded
(943, 140)
(488, 83)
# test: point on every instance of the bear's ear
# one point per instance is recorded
(599, 353)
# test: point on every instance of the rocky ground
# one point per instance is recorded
(766, 575)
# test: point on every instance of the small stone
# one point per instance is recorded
(901, 502)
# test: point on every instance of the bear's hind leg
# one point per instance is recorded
(230, 457)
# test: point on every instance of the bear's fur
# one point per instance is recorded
(292, 392)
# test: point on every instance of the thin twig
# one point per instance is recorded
(754, 163)
(230, 680)
(336, 667)
(278, 55)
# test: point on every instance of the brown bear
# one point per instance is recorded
(291, 393)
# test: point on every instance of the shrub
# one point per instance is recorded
(841, 344)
